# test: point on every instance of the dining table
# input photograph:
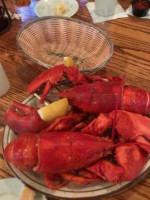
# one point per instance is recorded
(131, 56)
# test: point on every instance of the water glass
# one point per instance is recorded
(4, 82)
(105, 7)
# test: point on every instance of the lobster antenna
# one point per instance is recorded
(38, 97)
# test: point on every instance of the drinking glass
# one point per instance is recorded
(105, 7)
(4, 82)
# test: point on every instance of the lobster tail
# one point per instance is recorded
(136, 100)
(22, 152)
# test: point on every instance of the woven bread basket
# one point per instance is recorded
(48, 39)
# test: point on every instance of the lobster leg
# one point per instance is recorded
(99, 125)
(49, 77)
(82, 180)
(104, 78)
(45, 92)
(50, 183)
(66, 123)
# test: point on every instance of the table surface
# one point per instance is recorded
(131, 37)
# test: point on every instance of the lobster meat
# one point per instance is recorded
(102, 95)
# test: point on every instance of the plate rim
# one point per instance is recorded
(75, 2)
(127, 186)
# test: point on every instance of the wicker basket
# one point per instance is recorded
(48, 39)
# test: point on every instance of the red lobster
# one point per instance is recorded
(76, 151)
(43, 153)
(93, 158)
(99, 96)
(22, 118)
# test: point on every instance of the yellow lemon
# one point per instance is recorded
(68, 61)
(54, 110)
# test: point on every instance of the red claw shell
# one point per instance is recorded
(23, 118)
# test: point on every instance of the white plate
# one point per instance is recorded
(72, 190)
(47, 7)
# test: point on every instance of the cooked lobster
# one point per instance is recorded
(78, 147)
(105, 94)
(102, 95)
(54, 153)
(86, 156)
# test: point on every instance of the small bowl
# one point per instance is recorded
(140, 8)
(48, 39)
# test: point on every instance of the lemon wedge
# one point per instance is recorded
(68, 61)
(54, 110)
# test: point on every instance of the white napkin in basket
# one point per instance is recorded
(129, 12)
(119, 13)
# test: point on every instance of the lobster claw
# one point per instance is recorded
(130, 161)
(23, 118)
(136, 129)
(52, 76)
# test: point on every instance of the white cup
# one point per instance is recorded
(4, 82)
(105, 7)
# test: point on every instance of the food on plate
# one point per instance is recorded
(91, 155)
(93, 93)
(61, 8)
(105, 136)
(140, 8)
(54, 110)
